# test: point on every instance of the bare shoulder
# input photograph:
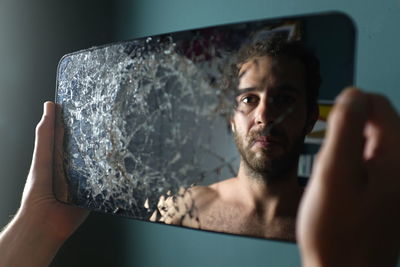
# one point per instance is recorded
(182, 208)
(223, 185)
(188, 205)
(201, 195)
(207, 195)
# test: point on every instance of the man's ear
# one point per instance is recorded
(312, 118)
(233, 128)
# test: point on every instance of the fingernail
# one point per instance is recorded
(352, 99)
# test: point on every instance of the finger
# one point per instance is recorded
(43, 152)
(383, 129)
(342, 152)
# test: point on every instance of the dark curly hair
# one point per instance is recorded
(277, 47)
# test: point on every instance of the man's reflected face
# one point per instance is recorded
(270, 120)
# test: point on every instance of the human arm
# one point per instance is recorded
(42, 224)
(350, 214)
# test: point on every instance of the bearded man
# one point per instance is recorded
(275, 107)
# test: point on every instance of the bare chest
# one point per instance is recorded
(237, 220)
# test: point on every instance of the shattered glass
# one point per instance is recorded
(145, 120)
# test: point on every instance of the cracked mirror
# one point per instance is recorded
(214, 129)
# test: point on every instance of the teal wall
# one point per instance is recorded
(35, 34)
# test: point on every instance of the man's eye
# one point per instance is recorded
(249, 100)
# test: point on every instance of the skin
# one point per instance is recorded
(350, 213)
(42, 224)
(262, 200)
(346, 229)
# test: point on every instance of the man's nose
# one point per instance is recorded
(264, 112)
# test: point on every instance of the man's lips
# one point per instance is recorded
(265, 141)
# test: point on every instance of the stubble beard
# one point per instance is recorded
(264, 164)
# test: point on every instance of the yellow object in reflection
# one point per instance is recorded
(324, 110)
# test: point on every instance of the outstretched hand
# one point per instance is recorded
(38, 198)
(42, 223)
(350, 213)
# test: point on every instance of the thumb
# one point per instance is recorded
(342, 152)
(43, 152)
